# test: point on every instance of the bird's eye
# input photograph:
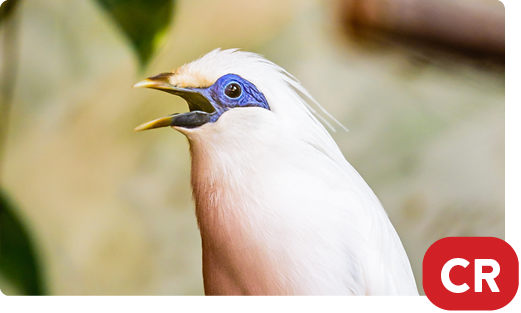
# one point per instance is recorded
(233, 90)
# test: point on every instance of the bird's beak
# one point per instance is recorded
(200, 108)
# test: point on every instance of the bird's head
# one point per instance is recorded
(227, 80)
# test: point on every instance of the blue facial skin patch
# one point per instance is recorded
(207, 104)
(232, 91)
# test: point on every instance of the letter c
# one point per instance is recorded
(445, 278)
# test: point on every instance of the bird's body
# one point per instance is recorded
(280, 210)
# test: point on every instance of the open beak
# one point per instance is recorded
(201, 109)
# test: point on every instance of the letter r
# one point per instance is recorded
(479, 276)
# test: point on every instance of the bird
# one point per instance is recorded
(279, 209)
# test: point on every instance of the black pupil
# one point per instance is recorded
(233, 90)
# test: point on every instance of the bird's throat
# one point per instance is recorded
(235, 260)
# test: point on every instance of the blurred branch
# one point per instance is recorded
(9, 30)
(465, 25)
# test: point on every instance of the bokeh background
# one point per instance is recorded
(90, 207)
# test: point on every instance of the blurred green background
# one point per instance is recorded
(89, 207)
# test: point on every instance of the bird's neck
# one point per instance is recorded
(236, 259)
(254, 186)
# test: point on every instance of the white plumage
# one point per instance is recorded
(279, 208)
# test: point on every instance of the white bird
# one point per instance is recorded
(280, 210)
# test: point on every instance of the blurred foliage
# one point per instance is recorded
(7, 8)
(143, 22)
(18, 260)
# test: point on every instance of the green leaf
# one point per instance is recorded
(144, 23)
(19, 263)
